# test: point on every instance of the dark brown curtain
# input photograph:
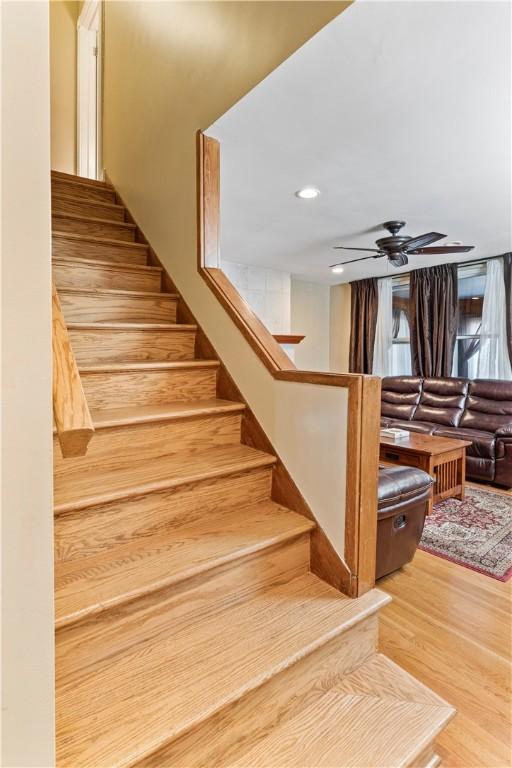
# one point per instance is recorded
(363, 322)
(433, 318)
(507, 271)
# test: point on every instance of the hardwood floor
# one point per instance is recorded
(451, 628)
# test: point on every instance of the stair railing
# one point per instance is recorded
(70, 409)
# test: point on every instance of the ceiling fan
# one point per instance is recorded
(398, 248)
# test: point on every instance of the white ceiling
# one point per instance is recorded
(395, 110)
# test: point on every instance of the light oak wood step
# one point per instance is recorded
(96, 529)
(79, 187)
(131, 342)
(117, 251)
(100, 210)
(87, 225)
(85, 180)
(72, 272)
(216, 656)
(377, 716)
(157, 474)
(120, 385)
(95, 305)
(186, 549)
(163, 433)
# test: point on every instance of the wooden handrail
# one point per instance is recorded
(363, 391)
(70, 410)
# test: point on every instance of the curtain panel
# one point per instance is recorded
(363, 322)
(507, 275)
(433, 319)
(493, 361)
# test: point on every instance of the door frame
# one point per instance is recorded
(91, 15)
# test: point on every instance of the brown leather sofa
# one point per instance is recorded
(478, 410)
(403, 493)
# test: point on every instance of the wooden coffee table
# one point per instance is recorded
(444, 458)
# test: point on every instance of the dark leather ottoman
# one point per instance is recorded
(403, 496)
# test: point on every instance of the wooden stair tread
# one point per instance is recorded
(80, 201)
(177, 671)
(377, 716)
(94, 220)
(112, 265)
(100, 240)
(141, 367)
(158, 473)
(187, 547)
(107, 325)
(106, 292)
(116, 417)
(75, 179)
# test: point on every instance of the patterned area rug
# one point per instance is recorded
(476, 532)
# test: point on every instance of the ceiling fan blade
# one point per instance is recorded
(348, 248)
(442, 249)
(418, 242)
(353, 261)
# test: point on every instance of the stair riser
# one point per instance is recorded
(90, 532)
(290, 691)
(69, 275)
(96, 308)
(93, 228)
(87, 208)
(84, 191)
(92, 346)
(255, 572)
(117, 390)
(122, 447)
(117, 254)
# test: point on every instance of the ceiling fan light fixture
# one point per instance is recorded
(307, 193)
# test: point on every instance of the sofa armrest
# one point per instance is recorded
(504, 431)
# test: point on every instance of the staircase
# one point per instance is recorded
(189, 630)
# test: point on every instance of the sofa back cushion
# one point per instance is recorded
(489, 405)
(399, 396)
(442, 401)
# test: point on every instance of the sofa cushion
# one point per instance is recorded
(413, 426)
(480, 469)
(442, 401)
(399, 396)
(489, 406)
(483, 444)
(400, 484)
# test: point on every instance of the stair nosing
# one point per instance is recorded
(119, 292)
(112, 265)
(242, 465)
(94, 219)
(148, 366)
(129, 326)
(85, 201)
(59, 233)
(303, 525)
(380, 600)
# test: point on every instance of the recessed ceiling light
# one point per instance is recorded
(337, 269)
(307, 193)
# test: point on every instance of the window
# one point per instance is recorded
(401, 348)
(471, 284)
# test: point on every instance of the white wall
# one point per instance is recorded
(267, 291)
(27, 517)
(310, 316)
